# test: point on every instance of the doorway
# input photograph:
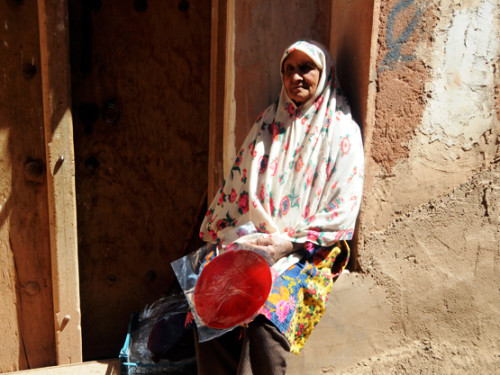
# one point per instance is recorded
(140, 90)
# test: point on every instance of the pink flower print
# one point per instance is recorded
(275, 130)
(309, 175)
(290, 109)
(345, 145)
(313, 234)
(290, 231)
(222, 198)
(262, 194)
(299, 164)
(243, 203)
(303, 121)
(329, 169)
(340, 235)
(310, 219)
(201, 235)
(254, 203)
(274, 166)
(307, 211)
(318, 102)
(266, 313)
(212, 234)
(232, 196)
(282, 310)
(309, 246)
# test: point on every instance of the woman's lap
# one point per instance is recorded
(259, 349)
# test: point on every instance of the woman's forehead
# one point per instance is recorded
(298, 57)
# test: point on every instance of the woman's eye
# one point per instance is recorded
(305, 68)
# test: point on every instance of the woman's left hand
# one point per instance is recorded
(276, 247)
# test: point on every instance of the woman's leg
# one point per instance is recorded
(219, 356)
(265, 349)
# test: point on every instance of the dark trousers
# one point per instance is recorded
(259, 349)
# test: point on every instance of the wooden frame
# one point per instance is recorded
(217, 96)
(58, 127)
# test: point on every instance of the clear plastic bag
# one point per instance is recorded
(161, 326)
(187, 270)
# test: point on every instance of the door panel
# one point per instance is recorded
(140, 74)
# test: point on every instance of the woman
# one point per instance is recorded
(297, 180)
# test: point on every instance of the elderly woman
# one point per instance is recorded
(298, 181)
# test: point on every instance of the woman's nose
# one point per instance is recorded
(296, 77)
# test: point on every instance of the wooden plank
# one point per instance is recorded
(217, 96)
(104, 367)
(58, 125)
(26, 317)
(229, 139)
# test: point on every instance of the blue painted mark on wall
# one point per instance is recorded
(393, 43)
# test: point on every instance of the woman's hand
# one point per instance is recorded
(276, 247)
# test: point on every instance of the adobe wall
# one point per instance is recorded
(426, 299)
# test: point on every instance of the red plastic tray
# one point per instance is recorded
(232, 288)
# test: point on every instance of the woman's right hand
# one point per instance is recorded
(276, 247)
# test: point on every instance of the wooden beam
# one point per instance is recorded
(217, 96)
(105, 367)
(58, 125)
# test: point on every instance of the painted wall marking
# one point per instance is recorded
(394, 44)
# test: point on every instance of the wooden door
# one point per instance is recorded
(140, 81)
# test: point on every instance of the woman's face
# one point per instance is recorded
(300, 77)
